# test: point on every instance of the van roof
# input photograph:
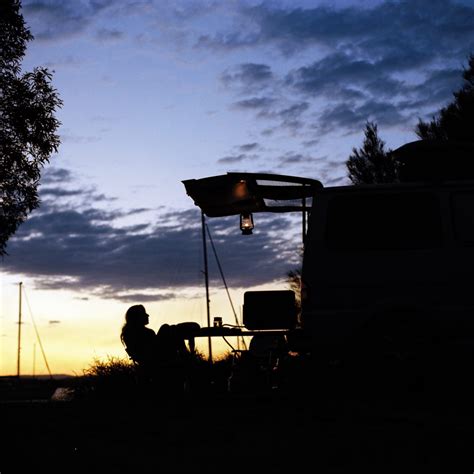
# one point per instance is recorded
(428, 163)
(428, 160)
(412, 186)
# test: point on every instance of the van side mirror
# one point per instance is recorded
(269, 310)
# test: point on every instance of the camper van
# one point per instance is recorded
(390, 269)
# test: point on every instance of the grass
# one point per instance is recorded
(115, 377)
(119, 378)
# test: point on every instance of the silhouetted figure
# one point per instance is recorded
(172, 358)
(255, 370)
(139, 341)
(171, 348)
(162, 358)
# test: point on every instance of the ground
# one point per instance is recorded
(316, 431)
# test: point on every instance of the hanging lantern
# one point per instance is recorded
(246, 223)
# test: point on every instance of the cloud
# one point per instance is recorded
(70, 137)
(56, 175)
(67, 61)
(58, 19)
(294, 111)
(290, 117)
(294, 158)
(60, 192)
(401, 55)
(248, 75)
(440, 29)
(337, 74)
(255, 103)
(287, 114)
(105, 34)
(433, 92)
(65, 246)
(135, 297)
(231, 159)
(242, 154)
(350, 116)
(246, 147)
(311, 143)
(58, 185)
(365, 90)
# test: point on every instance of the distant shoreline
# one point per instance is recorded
(37, 377)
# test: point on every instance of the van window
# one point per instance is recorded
(395, 221)
(462, 204)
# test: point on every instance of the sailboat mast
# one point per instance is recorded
(34, 360)
(19, 331)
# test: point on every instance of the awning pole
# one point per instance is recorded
(206, 279)
(304, 216)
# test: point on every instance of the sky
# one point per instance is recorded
(156, 92)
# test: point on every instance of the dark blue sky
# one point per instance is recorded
(156, 92)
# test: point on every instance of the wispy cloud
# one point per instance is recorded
(232, 159)
(55, 19)
(63, 246)
(246, 147)
(439, 29)
(106, 34)
(248, 75)
(393, 62)
(255, 103)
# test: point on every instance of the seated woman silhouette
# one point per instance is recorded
(139, 341)
(164, 356)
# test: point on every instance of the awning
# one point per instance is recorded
(236, 193)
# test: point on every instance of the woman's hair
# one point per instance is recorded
(134, 317)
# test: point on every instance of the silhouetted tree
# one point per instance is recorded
(455, 122)
(294, 282)
(371, 163)
(28, 125)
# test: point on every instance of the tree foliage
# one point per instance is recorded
(28, 125)
(372, 163)
(455, 122)
(293, 278)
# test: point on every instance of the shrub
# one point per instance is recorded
(111, 378)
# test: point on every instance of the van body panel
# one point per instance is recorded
(385, 248)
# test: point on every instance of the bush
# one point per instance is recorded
(118, 378)
(111, 378)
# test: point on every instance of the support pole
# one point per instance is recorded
(19, 332)
(206, 279)
(304, 217)
(34, 360)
